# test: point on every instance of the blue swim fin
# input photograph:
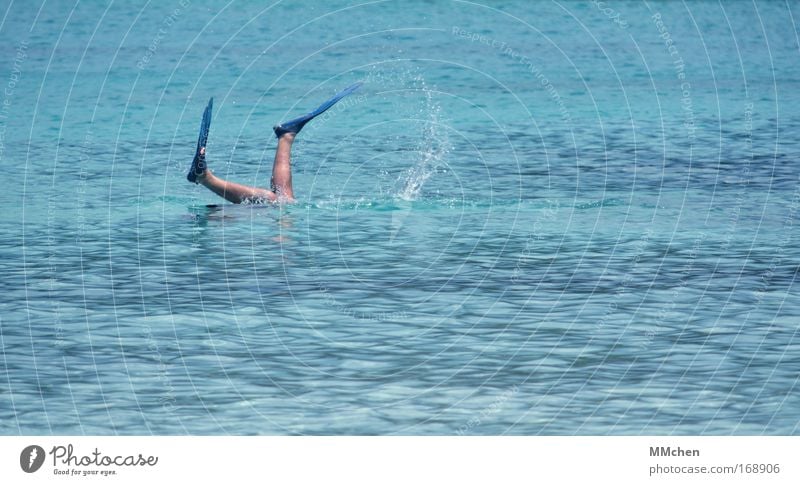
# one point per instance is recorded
(199, 162)
(297, 124)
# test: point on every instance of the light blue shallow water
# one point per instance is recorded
(555, 218)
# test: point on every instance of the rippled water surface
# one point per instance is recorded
(549, 219)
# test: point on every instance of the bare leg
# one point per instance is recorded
(282, 168)
(233, 192)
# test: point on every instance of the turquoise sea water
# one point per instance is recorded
(534, 218)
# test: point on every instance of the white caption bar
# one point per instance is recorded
(399, 460)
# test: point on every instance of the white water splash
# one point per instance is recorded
(433, 146)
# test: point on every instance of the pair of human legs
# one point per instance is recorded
(238, 193)
(281, 168)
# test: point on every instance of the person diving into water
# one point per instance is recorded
(281, 183)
